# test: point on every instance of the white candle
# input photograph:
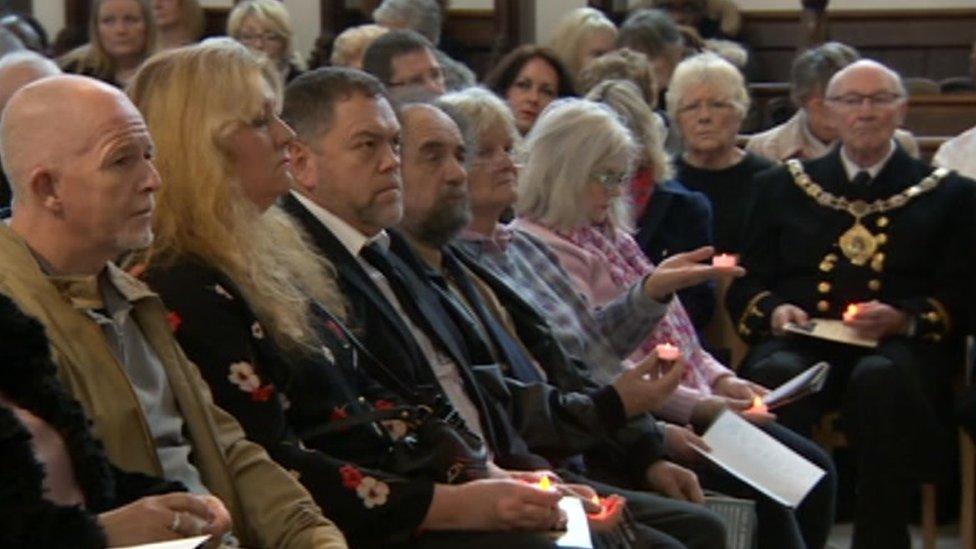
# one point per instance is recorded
(666, 351)
(724, 260)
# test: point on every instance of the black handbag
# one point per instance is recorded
(438, 445)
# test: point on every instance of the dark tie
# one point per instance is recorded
(375, 255)
(862, 179)
(426, 312)
(512, 353)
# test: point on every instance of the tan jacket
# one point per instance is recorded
(269, 507)
(792, 139)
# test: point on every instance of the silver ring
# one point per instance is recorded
(175, 525)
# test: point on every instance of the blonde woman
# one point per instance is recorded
(351, 44)
(581, 214)
(178, 22)
(265, 26)
(260, 314)
(251, 304)
(581, 36)
(123, 35)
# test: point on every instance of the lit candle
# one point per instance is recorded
(724, 260)
(545, 484)
(609, 506)
(666, 351)
(758, 407)
(850, 313)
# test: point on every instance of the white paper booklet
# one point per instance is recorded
(577, 534)
(806, 382)
(185, 543)
(759, 460)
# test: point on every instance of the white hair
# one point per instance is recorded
(482, 112)
(707, 68)
(571, 140)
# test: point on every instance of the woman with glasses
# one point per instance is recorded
(265, 26)
(669, 218)
(707, 100)
(123, 35)
(579, 208)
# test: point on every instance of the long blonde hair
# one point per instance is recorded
(192, 99)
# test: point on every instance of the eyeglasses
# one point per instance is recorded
(855, 100)
(611, 180)
(433, 76)
(259, 38)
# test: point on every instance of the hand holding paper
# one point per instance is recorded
(760, 460)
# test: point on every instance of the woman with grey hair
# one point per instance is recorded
(707, 101)
(570, 197)
(653, 33)
(670, 218)
(422, 16)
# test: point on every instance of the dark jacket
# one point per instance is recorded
(27, 519)
(677, 220)
(792, 253)
(389, 339)
(278, 396)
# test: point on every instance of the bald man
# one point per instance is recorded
(79, 157)
(873, 239)
(17, 69)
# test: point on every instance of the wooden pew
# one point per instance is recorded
(941, 114)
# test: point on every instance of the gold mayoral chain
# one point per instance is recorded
(858, 243)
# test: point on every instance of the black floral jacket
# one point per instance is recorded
(278, 396)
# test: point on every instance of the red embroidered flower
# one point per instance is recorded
(383, 404)
(174, 320)
(334, 328)
(351, 477)
(262, 394)
(337, 414)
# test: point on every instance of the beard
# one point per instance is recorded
(442, 223)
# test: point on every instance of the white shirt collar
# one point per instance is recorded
(853, 169)
(350, 237)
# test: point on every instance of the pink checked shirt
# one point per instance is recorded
(603, 261)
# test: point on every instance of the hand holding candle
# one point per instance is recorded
(725, 261)
(667, 352)
(610, 513)
(758, 406)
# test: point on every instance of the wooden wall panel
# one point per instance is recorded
(933, 44)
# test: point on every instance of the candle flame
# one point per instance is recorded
(851, 310)
(757, 402)
(595, 499)
(545, 484)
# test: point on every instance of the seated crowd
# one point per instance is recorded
(380, 304)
